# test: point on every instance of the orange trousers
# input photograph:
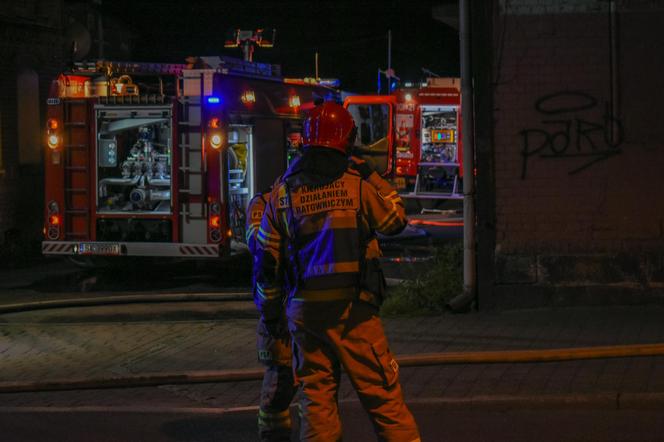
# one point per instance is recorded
(328, 335)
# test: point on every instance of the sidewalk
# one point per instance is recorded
(65, 343)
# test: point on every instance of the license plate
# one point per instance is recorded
(99, 249)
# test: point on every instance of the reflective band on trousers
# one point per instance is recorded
(271, 420)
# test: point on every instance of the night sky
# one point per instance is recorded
(350, 36)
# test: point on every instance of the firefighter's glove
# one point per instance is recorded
(275, 327)
(361, 166)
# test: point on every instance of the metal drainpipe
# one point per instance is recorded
(462, 301)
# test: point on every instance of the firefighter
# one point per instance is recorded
(319, 227)
(274, 351)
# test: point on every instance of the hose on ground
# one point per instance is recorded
(416, 360)
(123, 299)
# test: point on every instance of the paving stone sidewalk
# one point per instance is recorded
(67, 346)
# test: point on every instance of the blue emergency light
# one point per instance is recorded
(214, 100)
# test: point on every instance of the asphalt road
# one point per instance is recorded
(436, 424)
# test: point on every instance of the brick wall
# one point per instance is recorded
(30, 38)
(579, 152)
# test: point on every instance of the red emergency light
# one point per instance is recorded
(215, 221)
(52, 137)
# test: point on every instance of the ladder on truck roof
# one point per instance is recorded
(78, 201)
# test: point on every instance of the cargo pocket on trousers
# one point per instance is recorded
(388, 365)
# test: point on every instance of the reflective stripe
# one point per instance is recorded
(273, 414)
(274, 420)
(251, 231)
(389, 218)
(265, 241)
(336, 267)
(267, 235)
(259, 291)
(334, 220)
(266, 292)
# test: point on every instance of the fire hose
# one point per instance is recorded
(254, 374)
(416, 360)
(123, 299)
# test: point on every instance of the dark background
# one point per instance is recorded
(350, 36)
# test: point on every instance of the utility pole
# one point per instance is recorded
(468, 139)
(389, 72)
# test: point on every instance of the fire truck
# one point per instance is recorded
(146, 159)
(412, 137)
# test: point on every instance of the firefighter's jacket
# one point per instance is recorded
(255, 211)
(319, 227)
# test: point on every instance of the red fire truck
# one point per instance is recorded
(413, 137)
(161, 159)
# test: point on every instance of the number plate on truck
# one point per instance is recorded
(99, 249)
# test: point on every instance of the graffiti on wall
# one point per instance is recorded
(566, 133)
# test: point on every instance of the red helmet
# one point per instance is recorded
(328, 125)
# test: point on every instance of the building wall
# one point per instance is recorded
(578, 152)
(30, 44)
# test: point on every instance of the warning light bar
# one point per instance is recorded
(214, 100)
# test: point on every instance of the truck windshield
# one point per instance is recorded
(371, 143)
